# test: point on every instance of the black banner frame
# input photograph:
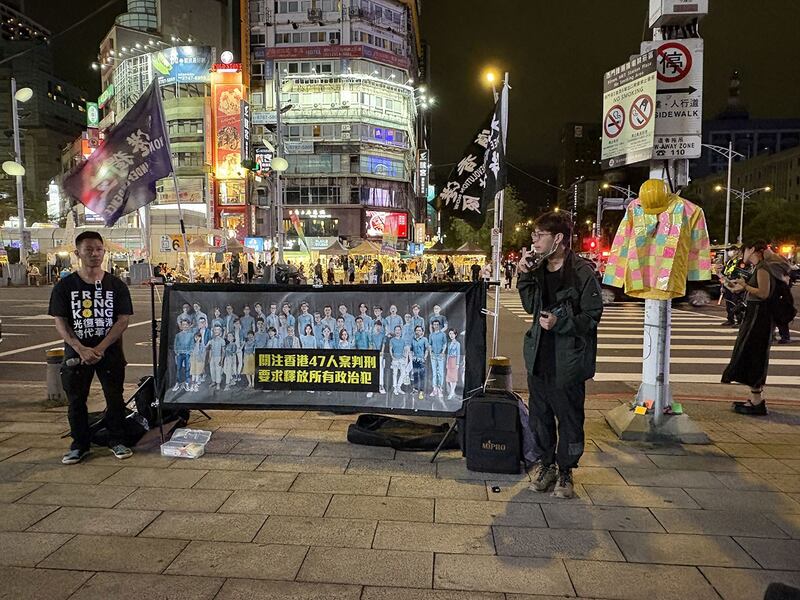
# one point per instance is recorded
(474, 361)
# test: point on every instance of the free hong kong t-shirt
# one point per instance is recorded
(90, 309)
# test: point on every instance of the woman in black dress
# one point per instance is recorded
(750, 358)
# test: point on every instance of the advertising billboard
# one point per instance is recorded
(182, 64)
(375, 223)
(227, 98)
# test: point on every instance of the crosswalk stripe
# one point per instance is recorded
(693, 347)
(708, 360)
(772, 380)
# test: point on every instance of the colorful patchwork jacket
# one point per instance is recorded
(653, 255)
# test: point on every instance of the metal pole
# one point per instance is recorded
(498, 218)
(728, 194)
(23, 250)
(741, 216)
(279, 151)
(599, 216)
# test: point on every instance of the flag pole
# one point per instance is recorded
(174, 178)
(498, 220)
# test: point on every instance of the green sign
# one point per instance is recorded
(92, 115)
(107, 94)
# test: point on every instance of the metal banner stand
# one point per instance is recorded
(154, 348)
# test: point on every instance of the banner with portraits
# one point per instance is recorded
(406, 348)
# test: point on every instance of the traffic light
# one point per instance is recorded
(590, 244)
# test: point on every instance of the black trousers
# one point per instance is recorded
(77, 380)
(556, 419)
(732, 302)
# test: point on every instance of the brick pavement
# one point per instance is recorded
(283, 507)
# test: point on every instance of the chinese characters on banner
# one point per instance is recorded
(227, 98)
(390, 227)
(479, 175)
(120, 176)
(301, 369)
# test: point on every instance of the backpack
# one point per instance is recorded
(400, 434)
(781, 303)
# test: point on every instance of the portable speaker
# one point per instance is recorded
(492, 436)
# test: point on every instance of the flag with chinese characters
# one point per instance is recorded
(120, 176)
(480, 175)
(298, 227)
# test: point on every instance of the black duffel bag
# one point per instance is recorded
(400, 434)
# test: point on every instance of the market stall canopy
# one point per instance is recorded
(233, 245)
(366, 247)
(200, 245)
(438, 248)
(114, 247)
(471, 248)
(335, 249)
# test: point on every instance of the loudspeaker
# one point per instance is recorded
(492, 432)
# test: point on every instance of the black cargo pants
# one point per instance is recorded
(556, 419)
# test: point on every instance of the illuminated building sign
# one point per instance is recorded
(107, 95)
(182, 64)
(337, 51)
(375, 222)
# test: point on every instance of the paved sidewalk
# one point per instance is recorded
(282, 506)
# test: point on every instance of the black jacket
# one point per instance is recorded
(576, 330)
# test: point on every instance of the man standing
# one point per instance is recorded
(91, 310)
(563, 295)
(733, 300)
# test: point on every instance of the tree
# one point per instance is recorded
(459, 232)
(771, 219)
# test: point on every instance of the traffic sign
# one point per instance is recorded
(628, 93)
(614, 121)
(641, 112)
(679, 99)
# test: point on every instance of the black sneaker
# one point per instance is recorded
(564, 487)
(121, 452)
(544, 479)
(74, 456)
(755, 410)
(727, 324)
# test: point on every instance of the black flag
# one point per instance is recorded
(120, 176)
(479, 175)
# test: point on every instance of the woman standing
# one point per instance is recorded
(453, 363)
(750, 358)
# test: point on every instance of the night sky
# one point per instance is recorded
(556, 53)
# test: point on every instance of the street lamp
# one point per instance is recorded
(742, 195)
(15, 168)
(627, 191)
(728, 153)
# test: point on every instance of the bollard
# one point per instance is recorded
(500, 374)
(55, 391)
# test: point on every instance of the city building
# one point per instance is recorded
(750, 137)
(349, 77)
(780, 171)
(53, 116)
(176, 43)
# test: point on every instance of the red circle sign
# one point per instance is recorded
(614, 121)
(673, 63)
(641, 112)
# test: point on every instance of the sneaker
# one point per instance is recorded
(121, 451)
(176, 387)
(544, 479)
(382, 391)
(755, 410)
(422, 395)
(726, 324)
(74, 456)
(187, 387)
(784, 341)
(564, 487)
(369, 394)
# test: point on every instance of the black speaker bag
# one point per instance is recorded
(379, 430)
(493, 436)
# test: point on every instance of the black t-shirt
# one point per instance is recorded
(545, 365)
(90, 309)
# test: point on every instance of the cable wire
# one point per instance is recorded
(60, 33)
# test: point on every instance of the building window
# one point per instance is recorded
(257, 69)
(313, 194)
(179, 127)
(381, 166)
(258, 39)
(187, 159)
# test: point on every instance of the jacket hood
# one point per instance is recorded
(776, 265)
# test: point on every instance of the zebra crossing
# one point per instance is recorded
(699, 346)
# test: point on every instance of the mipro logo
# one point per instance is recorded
(490, 445)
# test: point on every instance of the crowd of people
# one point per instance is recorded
(221, 346)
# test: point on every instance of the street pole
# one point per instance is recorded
(279, 235)
(741, 215)
(23, 250)
(728, 193)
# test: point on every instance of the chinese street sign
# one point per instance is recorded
(629, 93)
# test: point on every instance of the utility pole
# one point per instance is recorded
(279, 149)
(23, 250)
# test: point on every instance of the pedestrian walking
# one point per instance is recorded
(750, 358)
(562, 293)
(91, 310)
